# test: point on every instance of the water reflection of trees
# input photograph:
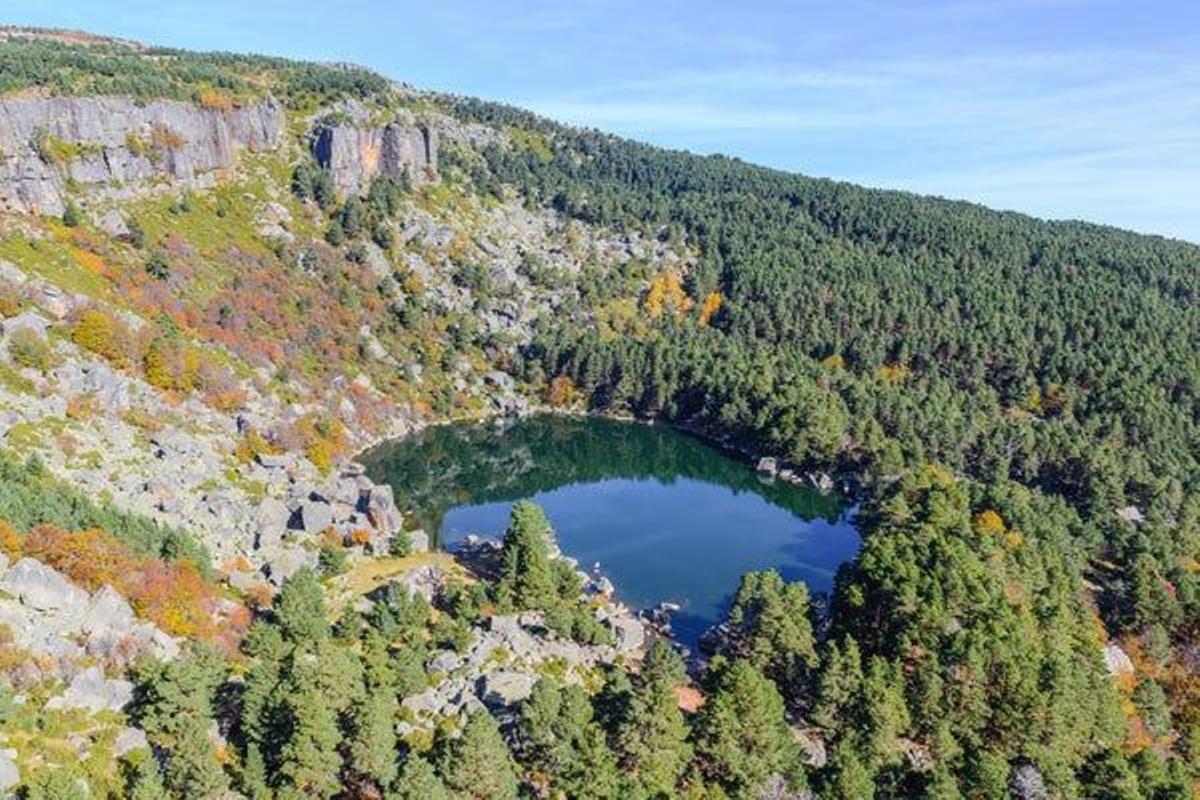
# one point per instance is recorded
(450, 465)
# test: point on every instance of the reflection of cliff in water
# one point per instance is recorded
(451, 465)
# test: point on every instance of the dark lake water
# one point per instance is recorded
(668, 517)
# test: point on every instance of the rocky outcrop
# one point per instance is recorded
(53, 619)
(356, 155)
(114, 146)
(91, 691)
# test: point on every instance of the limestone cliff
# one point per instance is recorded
(114, 146)
(355, 155)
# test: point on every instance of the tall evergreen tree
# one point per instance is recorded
(768, 625)
(652, 736)
(309, 761)
(300, 608)
(742, 736)
(476, 765)
(418, 780)
(527, 578)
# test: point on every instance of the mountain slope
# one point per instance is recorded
(224, 274)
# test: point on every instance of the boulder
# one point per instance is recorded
(505, 688)
(628, 633)
(444, 662)
(112, 223)
(287, 563)
(91, 691)
(128, 740)
(381, 508)
(428, 702)
(26, 319)
(51, 299)
(1027, 783)
(313, 516)
(422, 581)
(1131, 514)
(276, 461)
(271, 520)
(10, 775)
(1117, 661)
(11, 272)
(41, 587)
(419, 541)
(107, 610)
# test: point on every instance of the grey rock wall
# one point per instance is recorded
(117, 146)
(356, 155)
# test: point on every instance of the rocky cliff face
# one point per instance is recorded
(114, 146)
(356, 155)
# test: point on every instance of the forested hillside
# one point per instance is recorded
(880, 333)
(191, 356)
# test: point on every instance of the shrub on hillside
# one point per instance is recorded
(29, 349)
(104, 335)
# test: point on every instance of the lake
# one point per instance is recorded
(668, 517)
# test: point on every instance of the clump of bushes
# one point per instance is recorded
(104, 335)
(29, 349)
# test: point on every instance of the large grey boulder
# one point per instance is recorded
(1027, 783)
(91, 691)
(270, 520)
(1116, 661)
(505, 688)
(107, 610)
(41, 587)
(424, 582)
(10, 776)
(287, 563)
(128, 740)
(380, 507)
(628, 633)
(313, 516)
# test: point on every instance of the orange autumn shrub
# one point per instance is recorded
(562, 391)
(90, 558)
(11, 542)
(172, 595)
(175, 597)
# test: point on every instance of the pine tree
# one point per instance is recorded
(847, 775)
(373, 745)
(652, 736)
(418, 781)
(742, 736)
(527, 578)
(300, 608)
(309, 761)
(563, 742)
(768, 625)
(477, 764)
(175, 709)
(838, 684)
(143, 781)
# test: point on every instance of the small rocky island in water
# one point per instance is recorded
(671, 521)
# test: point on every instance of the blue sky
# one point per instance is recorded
(1061, 108)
